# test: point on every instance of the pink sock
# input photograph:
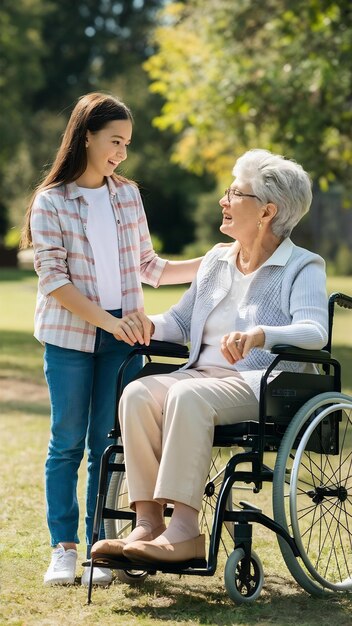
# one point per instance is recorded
(183, 526)
(142, 530)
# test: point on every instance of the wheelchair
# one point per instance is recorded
(306, 422)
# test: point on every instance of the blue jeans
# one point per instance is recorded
(82, 389)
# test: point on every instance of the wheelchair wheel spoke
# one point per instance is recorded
(211, 493)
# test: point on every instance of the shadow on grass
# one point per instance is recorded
(21, 374)
(16, 345)
(13, 340)
(282, 602)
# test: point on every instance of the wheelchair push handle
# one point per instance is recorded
(341, 299)
(155, 348)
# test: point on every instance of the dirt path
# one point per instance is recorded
(13, 390)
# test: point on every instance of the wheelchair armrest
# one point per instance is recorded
(162, 348)
(292, 353)
(155, 348)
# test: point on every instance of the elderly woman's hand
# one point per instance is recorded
(133, 328)
(236, 345)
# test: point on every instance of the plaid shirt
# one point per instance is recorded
(63, 255)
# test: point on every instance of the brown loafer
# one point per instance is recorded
(115, 546)
(169, 553)
(108, 546)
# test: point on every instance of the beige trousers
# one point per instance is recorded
(167, 424)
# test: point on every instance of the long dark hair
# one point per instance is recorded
(92, 112)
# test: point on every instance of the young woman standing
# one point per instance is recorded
(92, 249)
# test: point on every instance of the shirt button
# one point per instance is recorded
(118, 221)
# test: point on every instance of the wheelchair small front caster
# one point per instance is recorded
(133, 577)
(243, 587)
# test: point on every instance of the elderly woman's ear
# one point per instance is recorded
(268, 212)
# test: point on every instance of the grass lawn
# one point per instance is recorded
(24, 428)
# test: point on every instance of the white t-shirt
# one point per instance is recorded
(102, 236)
(222, 321)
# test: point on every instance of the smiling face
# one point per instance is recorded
(241, 214)
(106, 149)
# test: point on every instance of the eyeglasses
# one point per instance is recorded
(232, 191)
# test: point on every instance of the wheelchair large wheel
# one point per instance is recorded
(312, 493)
(241, 586)
(117, 498)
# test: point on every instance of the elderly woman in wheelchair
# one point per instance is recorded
(248, 296)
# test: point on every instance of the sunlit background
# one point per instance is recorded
(205, 80)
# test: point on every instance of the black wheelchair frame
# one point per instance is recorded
(281, 400)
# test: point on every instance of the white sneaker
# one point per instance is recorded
(101, 576)
(62, 568)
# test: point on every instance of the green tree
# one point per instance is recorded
(170, 193)
(272, 73)
(101, 45)
(89, 42)
(20, 76)
(20, 72)
(81, 47)
(343, 260)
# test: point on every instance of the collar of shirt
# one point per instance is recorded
(72, 191)
(279, 257)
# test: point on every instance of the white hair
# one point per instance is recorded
(278, 180)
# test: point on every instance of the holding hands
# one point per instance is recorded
(133, 328)
(236, 345)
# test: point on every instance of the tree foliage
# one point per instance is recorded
(226, 76)
(89, 42)
(55, 52)
(254, 73)
(20, 71)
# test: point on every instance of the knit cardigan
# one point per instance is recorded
(288, 301)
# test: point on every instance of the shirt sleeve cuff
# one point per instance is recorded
(158, 270)
(46, 287)
(271, 337)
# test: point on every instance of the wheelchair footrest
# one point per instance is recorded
(106, 560)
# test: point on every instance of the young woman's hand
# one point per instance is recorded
(236, 345)
(133, 328)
